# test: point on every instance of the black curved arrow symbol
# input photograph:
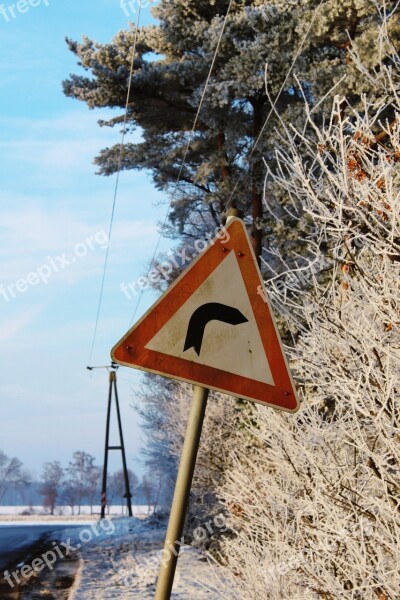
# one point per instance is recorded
(212, 311)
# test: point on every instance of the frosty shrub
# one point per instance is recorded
(316, 503)
(213, 459)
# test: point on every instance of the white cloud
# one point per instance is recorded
(33, 236)
(36, 229)
(57, 149)
(14, 325)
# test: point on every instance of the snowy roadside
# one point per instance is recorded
(112, 559)
(126, 565)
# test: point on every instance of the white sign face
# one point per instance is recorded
(214, 327)
(236, 349)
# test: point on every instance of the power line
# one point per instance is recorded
(121, 147)
(185, 152)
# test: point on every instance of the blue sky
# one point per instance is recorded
(54, 211)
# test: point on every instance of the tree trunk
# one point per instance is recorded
(221, 148)
(256, 196)
(256, 233)
(223, 167)
(158, 495)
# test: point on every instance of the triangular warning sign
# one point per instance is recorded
(214, 327)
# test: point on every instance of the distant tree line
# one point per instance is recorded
(12, 475)
(77, 485)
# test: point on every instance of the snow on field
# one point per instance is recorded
(125, 564)
(66, 511)
(37, 520)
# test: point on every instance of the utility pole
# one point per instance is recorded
(112, 370)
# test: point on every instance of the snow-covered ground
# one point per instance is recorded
(66, 511)
(35, 520)
(125, 564)
(114, 559)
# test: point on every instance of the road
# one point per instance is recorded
(14, 538)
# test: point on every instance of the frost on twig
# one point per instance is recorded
(315, 504)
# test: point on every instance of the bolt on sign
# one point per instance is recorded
(214, 328)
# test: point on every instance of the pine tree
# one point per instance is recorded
(166, 92)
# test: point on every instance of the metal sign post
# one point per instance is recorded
(181, 494)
